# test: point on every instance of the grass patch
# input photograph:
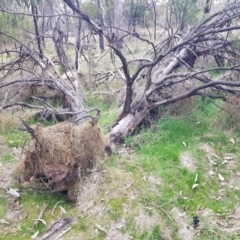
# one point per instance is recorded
(16, 138)
(158, 150)
(109, 110)
(32, 202)
(8, 158)
(133, 186)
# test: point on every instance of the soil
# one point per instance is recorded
(188, 161)
(185, 232)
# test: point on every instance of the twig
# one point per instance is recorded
(28, 128)
(44, 102)
(166, 214)
(175, 199)
(160, 206)
(63, 233)
(56, 227)
(40, 215)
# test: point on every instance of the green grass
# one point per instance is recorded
(158, 150)
(15, 138)
(125, 186)
(8, 158)
(108, 108)
(32, 202)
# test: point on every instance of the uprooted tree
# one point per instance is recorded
(36, 71)
(183, 60)
(216, 37)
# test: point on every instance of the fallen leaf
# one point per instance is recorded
(3, 221)
(183, 214)
(35, 235)
(13, 192)
(211, 173)
(41, 220)
(99, 227)
(215, 155)
(194, 186)
(228, 156)
(196, 178)
(220, 177)
(62, 209)
(119, 226)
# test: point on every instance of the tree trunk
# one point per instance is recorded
(155, 21)
(58, 40)
(127, 125)
(78, 37)
(35, 20)
(101, 16)
(118, 23)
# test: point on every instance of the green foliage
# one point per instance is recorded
(8, 158)
(9, 24)
(124, 185)
(16, 138)
(159, 149)
(115, 208)
(135, 11)
(108, 107)
(3, 205)
(90, 8)
(154, 234)
(32, 202)
(184, 12)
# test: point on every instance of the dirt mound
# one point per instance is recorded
(59, 155)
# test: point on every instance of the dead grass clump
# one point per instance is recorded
(7, 121)
(59, 155)
(231, 118)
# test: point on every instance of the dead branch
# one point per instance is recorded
(56, 227)
(39, 218)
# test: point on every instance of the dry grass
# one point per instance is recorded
(59, 155)
(231, 118)
(9, 119)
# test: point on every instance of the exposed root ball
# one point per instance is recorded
(59, 155)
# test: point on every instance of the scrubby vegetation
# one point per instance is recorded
(180, 167)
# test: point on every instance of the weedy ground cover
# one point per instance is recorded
(163, 177)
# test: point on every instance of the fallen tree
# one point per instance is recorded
(213, 38)
(183, 60)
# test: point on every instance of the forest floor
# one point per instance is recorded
(177, 179)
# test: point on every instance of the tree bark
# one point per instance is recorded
(101, 16)
(35, 20)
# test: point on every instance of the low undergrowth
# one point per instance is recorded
(179, 168)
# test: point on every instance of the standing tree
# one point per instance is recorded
(101, 18)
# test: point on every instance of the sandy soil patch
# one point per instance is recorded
(188, 161)
(184, 231)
